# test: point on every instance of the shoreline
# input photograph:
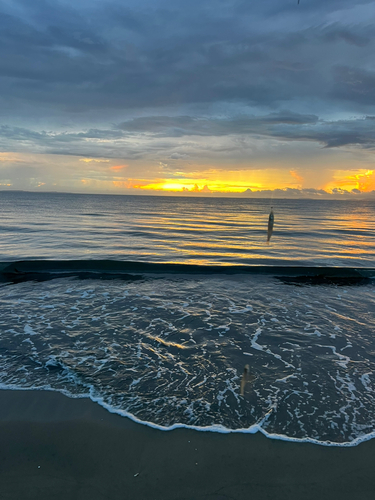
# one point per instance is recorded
(55, 447)
(218, 428)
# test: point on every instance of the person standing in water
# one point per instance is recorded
(270, 225)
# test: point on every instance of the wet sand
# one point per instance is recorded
(53, 447)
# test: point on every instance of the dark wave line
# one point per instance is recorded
(41, 270)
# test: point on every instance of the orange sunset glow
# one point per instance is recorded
(254, 180)
(363, 180)
(216, 181)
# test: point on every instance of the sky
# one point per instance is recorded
(198, 98)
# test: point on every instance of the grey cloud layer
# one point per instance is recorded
(283, 125)
(177, 82)
(76, 56)
(161, 135)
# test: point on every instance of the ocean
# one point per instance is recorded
(175, 312)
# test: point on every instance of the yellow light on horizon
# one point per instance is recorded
(361, 179)
(233, 181)
(192, 186)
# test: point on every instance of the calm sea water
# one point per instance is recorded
(189, 230)
(170, 350)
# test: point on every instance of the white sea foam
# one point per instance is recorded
(167, 366)
(254, 343)
(217, 428)
(29, 331)
(343, 360)
(366, 381)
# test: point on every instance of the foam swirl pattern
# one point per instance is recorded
(170, 350)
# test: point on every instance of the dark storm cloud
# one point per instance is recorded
(186, 125)
(336, 33)
(76, 56)
(160, 135)
(282, 125)
(45, 138)
(83, 143)
(94, 143)
(354, 84)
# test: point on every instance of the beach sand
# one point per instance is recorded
(53, 447)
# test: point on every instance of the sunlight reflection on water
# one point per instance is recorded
(190, 230)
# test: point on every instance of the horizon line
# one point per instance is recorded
(319, 195)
